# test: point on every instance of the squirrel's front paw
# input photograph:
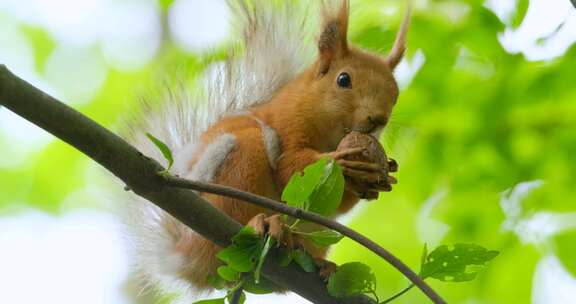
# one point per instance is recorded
(367, 173)
(366, 179)
(365, 166)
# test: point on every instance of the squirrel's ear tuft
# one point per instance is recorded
(399, 47)
(333, 40)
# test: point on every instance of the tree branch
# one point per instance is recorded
(311, 217)
(140, 175)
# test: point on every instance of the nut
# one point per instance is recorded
(373, 153)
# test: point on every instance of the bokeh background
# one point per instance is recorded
(485, 134)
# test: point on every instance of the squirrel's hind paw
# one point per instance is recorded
(325, 268)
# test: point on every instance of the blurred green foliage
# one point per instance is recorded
(474, 122)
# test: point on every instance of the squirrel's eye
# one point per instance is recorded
(344, 80)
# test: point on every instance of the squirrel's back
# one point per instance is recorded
(270, 54)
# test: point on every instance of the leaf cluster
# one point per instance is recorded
(319, 189)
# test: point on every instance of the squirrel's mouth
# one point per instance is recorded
(369, 128)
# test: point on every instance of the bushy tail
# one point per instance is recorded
(269, 55)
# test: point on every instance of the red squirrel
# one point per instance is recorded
(260, 119)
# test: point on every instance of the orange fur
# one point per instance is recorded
(246, 168)
(311, 114)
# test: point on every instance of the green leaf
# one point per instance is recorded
(324, 238)
(565, 249)
(423, 256)
(246, 237)
(242, 255)
(351, 279)
(304, 259)
(319, 189)
(166, 152)
(212, 301)
(301, 185)
(327, 195)
(216, 281)
(264, 286)
(241, 259)
(228, 273)
(452, 264)
(285, 257)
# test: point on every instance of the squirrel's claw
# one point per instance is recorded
(392, 165)
(360, 191)
(338, 155)
(366, 184)
(369, 195)
(385, 187)
(366, 177)
(276, 227)
(257, 223)
(360, 165)
(272, 225)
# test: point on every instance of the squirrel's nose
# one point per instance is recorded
(378, 120)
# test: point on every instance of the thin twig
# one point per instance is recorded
(394, 297)
(308, 216)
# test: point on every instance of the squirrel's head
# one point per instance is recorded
(357, 89)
